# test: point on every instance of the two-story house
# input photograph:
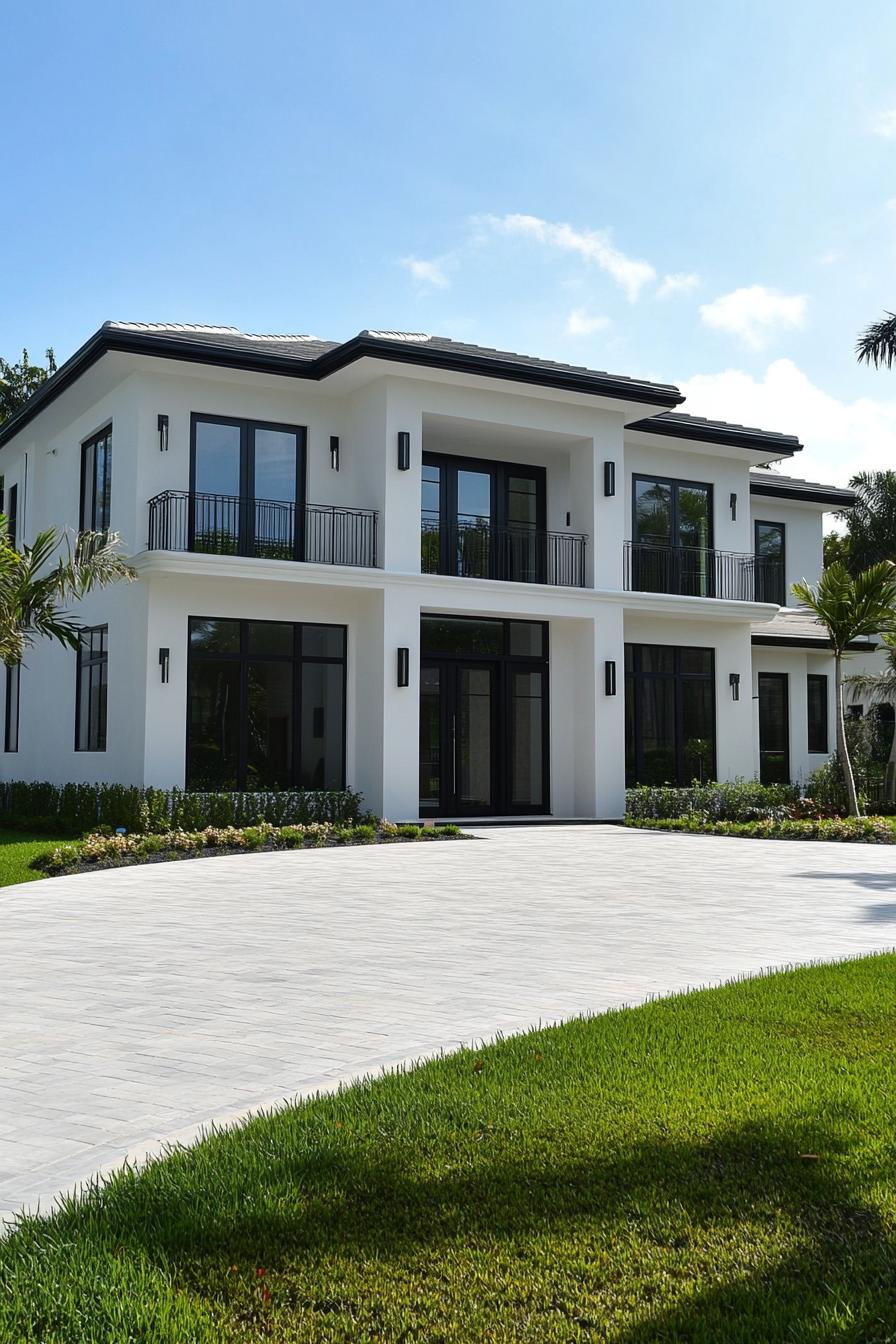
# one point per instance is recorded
(463, 581)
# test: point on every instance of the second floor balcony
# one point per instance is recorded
(267, 529)
(696, 571)
(477, 548)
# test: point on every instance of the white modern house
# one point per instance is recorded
(462, 581)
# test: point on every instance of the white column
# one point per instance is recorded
(609, 714)
(401, 706)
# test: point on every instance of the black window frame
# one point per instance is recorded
(12, 516)
(635, 677)
(499, 472)
(677, 483)
(767, 776)
(11, 707)
(297, 659)
(818, 727)
(764, 592)
(247, 498)
(95, 511)
(90, 740)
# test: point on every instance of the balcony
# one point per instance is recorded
(692, 571)
(267, 529)
(478, 549)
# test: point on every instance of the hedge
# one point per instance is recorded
(867, 830)
(112, 851)
(741, 800)
(73, 809)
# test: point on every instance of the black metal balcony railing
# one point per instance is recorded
(693, 571)
(267, 529)
(479, 550)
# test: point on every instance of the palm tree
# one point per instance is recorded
(880, 688)
(877, 343)
(849, 609)
(38, 581)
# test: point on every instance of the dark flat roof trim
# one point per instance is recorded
(360, 347)
(808, 642)
(839, 499)
(759, 440)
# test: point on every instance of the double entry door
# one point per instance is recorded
(484, 727)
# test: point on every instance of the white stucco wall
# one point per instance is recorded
(803, 538)
(797, 664)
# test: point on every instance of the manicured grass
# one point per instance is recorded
(718, 1167)
(17, 849)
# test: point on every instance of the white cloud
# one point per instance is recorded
(891, 205)
(682, 282)
(591, 245)
(885, 124)
(840, 437)
(428, 273)
(753, 313)
(580, 323)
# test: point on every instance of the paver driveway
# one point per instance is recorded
(141, 1002)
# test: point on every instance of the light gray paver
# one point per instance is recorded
(139, 1004)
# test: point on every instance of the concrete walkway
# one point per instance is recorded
(138, 1004)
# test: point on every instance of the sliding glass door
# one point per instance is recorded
(247, 488)
(482, 519)
(672, 536)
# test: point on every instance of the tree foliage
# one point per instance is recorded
(877, 343)
(20, 381)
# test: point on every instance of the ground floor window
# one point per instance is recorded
(265, 705)
(92, 680)
(817, 703)
(670, 714)
(11, 731)
(483, 716)
(774, 728)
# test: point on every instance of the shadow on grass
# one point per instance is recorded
(289, 1210)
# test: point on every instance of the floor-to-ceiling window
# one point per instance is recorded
(671, 536)
(266, 705)
(774, 728)
(483, 716)
(768, 548)
(246, 485)
(483, 519)
(670, 714)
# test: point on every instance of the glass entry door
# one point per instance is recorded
(483, 718)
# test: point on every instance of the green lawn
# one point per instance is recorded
(17, 849)
(717, 1167)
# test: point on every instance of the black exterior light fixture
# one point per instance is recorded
(732, 501)
(163, 433)
(609, 677)
(404, 450)
(609, 478)
(164, 663)
(404, 667)
(334, 451)
(734, 683)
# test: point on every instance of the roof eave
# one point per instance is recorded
(771, 445)
(833, 498)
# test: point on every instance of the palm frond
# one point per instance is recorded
(877, 343)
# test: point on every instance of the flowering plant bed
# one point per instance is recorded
(861, 830)
(116, 851)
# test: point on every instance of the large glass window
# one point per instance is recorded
(12, 516)
(482, 519)
(11, 728)
(671, 536)
(670, 714)
(247, 479)
(96, 481)
(774, 728)
(92, 679)
(266, 705)
(769, 551)
(817, 712)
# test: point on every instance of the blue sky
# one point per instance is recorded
(702, 193)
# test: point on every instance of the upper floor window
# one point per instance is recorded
(672, 537)
(96, 481)
(768, 548)
(12, 515)
(90, 699)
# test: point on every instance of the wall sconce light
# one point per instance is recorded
(404, 667)
(609, 478)
(334, 452)
(734, 683)
(404, 450)
(164, 663)
(609, 677)
(732, 500)
(163, 433)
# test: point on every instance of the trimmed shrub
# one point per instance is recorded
(77, 808)
(740, 800)
(862, 830)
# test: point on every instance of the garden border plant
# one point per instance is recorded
(116, 851)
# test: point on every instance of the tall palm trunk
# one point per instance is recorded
(842, 748)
